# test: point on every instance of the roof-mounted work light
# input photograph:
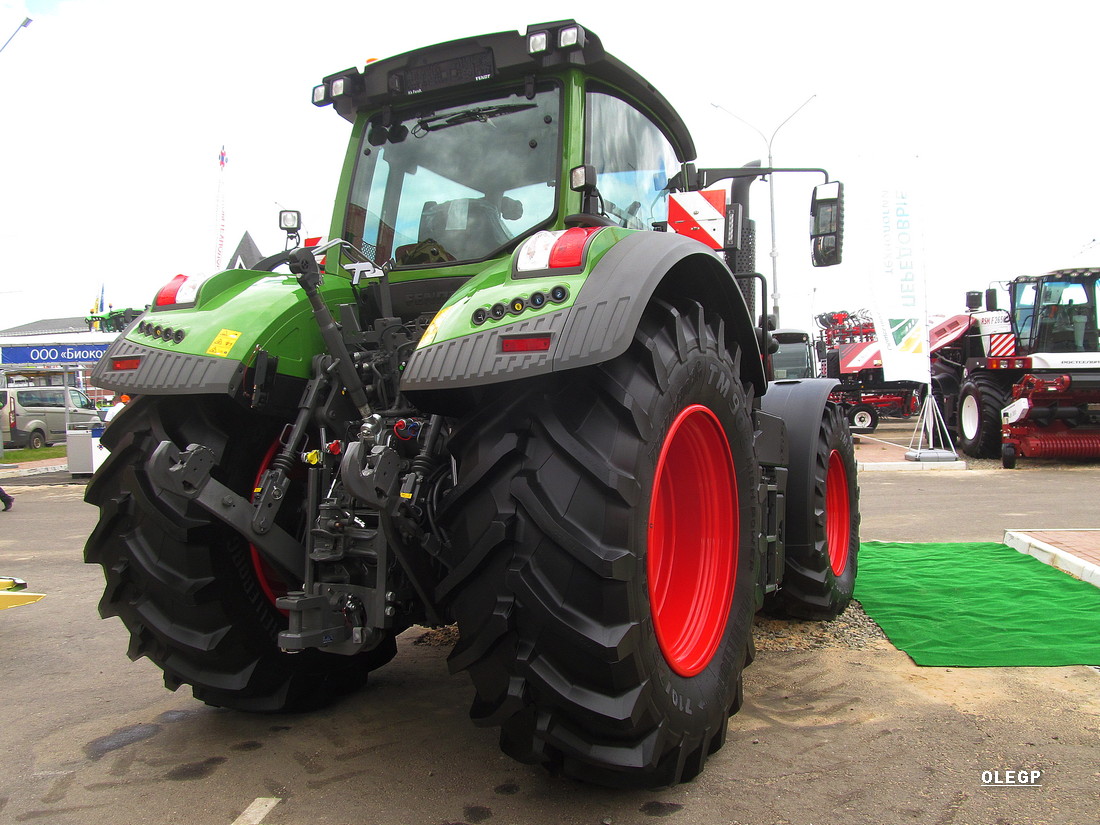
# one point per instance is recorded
(345, 83)
(538, 42)
(571, 37)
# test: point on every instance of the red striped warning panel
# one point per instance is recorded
(1001, 344)
(699, 215)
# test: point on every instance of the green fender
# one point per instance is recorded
(600, 321)
(236, 314)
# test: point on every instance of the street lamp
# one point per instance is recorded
(771, 192)
(26, 22)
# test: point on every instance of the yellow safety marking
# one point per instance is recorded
(223, 342)
(15, 598)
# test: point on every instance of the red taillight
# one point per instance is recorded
(525, 343)
(561, 249)
(167, 294)
(122, 364)
(568, 250)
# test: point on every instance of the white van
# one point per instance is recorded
(35, 416)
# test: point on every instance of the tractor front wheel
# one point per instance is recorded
(823, 530)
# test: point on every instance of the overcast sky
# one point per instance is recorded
(113, 113)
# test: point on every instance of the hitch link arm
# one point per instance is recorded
(187, 473)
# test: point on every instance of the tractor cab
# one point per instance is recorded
(795, 356)
(463, 150)
(1056, 312)
(517, 145)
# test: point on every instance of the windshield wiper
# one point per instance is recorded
(481, 114)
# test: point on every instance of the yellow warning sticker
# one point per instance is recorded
(223, 342)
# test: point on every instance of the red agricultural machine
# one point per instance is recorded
(1024, 382)
(848, 347)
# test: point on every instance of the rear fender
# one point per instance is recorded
(599, 322)
(222, 333)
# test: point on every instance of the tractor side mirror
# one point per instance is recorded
(827, 223)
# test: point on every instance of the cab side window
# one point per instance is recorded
(633, 160)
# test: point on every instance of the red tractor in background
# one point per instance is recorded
(1024, 382)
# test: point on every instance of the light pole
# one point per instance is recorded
(771, 192)
(26, 22)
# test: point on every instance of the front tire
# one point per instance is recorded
(823, 530)
(979, 416)
(606, 597)
(184, 583)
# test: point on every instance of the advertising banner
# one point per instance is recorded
(899, 310)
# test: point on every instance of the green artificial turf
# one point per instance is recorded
(978, 605)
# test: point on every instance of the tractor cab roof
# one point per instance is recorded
(461, 65)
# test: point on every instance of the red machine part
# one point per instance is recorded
(1054, 440)
(1030, 384)
(1049, 428)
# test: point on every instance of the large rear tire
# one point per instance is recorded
(606, 597)
(978, 419)
(185, 585)
(822, 546)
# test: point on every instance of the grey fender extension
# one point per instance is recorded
(598, 326)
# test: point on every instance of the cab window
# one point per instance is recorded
(633, 160)
(456, 183)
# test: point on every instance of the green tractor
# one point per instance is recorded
(520, 390)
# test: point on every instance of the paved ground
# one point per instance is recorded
(832, 734)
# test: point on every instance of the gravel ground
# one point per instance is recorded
(853, 629)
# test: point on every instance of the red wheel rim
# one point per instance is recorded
(692, 540)
(838, 513)
(270, 583)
